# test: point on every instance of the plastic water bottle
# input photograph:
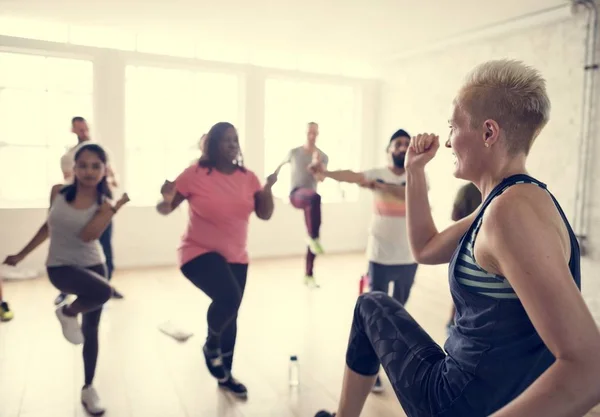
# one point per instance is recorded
(294, 372)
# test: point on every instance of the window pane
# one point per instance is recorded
(223, 89)
(22, 117)
(145, 172)
(69, 75)
(167, 110)
(35, 121)
(290, 105)
(22, 71)
(62, 107)
(23, 170)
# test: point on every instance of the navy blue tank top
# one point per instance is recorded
(493, 341)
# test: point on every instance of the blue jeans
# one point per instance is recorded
(402, 275)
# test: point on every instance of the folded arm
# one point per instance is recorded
(96, 226)
(427, 244)
(264, 204)
(518, 242)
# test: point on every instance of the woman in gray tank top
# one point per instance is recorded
(78, 215)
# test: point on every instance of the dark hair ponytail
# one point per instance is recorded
(70, 191)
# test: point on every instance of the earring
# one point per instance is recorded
(487, 145)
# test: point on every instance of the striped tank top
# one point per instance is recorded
(493, 346)
(66, 247)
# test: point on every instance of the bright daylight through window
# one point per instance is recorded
(38, 97)
(166, 113)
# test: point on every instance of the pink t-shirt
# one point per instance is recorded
(220, 206)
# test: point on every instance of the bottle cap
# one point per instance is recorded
(294, 358)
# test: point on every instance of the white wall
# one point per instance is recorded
(418, 92)
(144, 238)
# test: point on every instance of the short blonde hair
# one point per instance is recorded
(511, 93)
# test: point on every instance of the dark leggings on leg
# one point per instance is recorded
(92, 290)
(383, 332)
(224, 283)
(309, 201)
(106, 243)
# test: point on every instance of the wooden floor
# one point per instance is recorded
(143, 373)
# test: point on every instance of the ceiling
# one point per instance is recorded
(364, 29)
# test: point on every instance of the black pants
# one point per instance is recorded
(224, 283)
(106, 242)
(402, 275)
(383, 332)
(92, 290)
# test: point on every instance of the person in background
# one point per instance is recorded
(303, 195)
(80, 128)
(524, 342)
(221, 195)
(79, 213)
(467, 200)
(5, 313)
(388, 251)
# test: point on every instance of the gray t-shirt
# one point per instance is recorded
(66, 247)
(299, 160)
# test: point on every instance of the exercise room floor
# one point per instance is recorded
(144, 373)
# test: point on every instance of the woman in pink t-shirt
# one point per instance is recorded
(221, 195)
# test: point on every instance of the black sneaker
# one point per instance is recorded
(117, 295)
(324, 414)
(235, 387)
(377, 386)
(214, 363)
(60, 299)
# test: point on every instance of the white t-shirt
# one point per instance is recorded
(388, 235)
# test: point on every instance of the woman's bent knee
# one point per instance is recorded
(105, 293)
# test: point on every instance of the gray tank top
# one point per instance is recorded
(66, 247)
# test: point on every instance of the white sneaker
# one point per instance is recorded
(70, 326)
(91, 401)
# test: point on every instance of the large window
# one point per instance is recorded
(289, 106)
(38, 97)
(166, 111)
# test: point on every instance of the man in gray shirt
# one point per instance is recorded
(303, 194)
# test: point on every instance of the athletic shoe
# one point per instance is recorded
(215, 365)
(70, 326)
(117, 295)
(377, 386)
(60, 299)
(315, 246)
(5, 313)
(310, 281)
(91, 401)
(235, 387)
(323, 413)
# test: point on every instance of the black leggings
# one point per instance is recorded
(224, 283)
(92, 290)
